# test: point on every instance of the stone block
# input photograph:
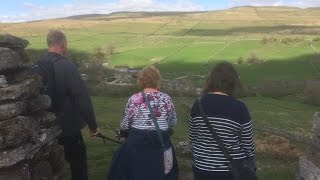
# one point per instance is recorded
(27, 151)
(13, 42)
(20, 172)
(42, 171)
(44, 117)
(17, 76)
(308, 170)
(41, 102)
(17, 131)
(313, 153)
(56, 158)
(11, 60)
(3, 81)
(11, 110)
(316, 124)
(25, 89)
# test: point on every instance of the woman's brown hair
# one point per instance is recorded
(223, 78)
(149, 77)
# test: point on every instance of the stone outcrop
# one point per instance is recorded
(13, 42)
(28, 145)
(309, 164)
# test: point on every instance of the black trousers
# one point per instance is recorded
(75, 154)
(203, 175)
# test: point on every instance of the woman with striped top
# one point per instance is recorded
(229, 118)
(141, 156)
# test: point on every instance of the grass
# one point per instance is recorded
(186, 43)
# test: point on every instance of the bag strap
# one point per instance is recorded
(54, 78)
(213, 133)
(154, 119)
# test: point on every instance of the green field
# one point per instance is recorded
(284, 40)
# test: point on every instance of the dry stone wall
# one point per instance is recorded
(28, 134)
(309, 165)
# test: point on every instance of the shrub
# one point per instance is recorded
(240, 60)
(253, 59)
(269, 40)
(277, 147)
(292, 40)
(316, 39)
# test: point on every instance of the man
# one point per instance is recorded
(70, 101)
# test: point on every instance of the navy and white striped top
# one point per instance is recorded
(137, 114)
(231, 121)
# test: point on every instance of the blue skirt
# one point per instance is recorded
(140, 157)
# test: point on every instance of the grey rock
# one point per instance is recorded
(17, 131)
(56, 158)
(316, 124)
(44, 117)
(308, 170)
(41, 102)
(25, 89)
(27, 151)
(313, 153)
(184, 148)
(11, 60)
(13, 42)
(59, 176)
(42, 170)
(20, 172)
(11, 110)
(3, 81)
(17, 76)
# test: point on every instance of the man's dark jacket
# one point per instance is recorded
(70, 99)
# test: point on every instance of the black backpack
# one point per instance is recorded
(46, 69)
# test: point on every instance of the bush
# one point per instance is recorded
(316, 39)
(94, 66)
(269, 40)
(292, 40)
(253, 59)
(240, 60)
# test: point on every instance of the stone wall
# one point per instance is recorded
(309, 164)
(28, 145)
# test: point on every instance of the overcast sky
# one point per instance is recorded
(27, 10)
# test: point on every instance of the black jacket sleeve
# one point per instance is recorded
(77, 90)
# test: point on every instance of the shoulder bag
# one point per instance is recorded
(167, 149)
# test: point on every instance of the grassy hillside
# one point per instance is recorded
(185, 43)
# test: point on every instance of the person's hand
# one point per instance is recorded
(94, 132)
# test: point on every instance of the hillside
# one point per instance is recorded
(184, 43)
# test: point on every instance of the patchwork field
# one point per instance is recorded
(275, 49)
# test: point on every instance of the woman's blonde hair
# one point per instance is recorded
(149, 77)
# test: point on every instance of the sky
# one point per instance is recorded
(28, 10)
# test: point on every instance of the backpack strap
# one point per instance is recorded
(154, 119)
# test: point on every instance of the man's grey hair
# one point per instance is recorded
(56, 38)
